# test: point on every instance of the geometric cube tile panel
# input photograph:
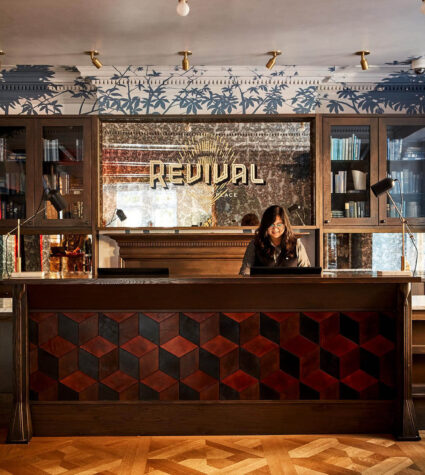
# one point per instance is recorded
(130, 356)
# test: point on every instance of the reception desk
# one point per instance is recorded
(227, 355)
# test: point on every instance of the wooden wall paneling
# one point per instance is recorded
(406, 417)
(20, 429)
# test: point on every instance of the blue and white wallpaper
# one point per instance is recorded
(140, 90)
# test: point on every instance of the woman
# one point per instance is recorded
(275, 244)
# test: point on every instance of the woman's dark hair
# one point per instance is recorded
(262, 240)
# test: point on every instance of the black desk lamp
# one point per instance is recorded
(384, 186)
(59, 204)
(118, 213)
(295, 208)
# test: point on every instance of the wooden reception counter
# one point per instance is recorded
(228, 355)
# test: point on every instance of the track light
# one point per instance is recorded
(272, 60)
(183, 8)
(2, 53)
(96, 61)
(185, 61)
(363, 61)
(423, 7)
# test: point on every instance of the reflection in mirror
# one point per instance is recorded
(376, 251)
(164, 174)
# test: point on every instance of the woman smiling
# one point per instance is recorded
(275, 244)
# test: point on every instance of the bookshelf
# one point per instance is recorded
(349, 164)
(14, 168)
(403, 159)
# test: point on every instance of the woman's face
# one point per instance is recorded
(276, 230)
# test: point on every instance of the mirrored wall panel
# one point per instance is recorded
(204, 173)
(375, 251)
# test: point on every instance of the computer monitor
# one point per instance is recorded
(132, 272)
(266, 271)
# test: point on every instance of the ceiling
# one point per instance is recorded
(219, 32)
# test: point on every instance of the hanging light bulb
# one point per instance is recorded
(423, 7)
(183, 8)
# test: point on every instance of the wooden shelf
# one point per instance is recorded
(418, 349)
(418, 390)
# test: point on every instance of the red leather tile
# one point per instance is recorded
(339, 345)
(46, 326)
(239, 317)
(281, 316)
(139, 346)
(98, 346)
(58, 346)
(39, 382)
(260, 346)
(159, 381)
(179, 346)
(119, 317)
(79, 317)
(159, 317)
(41, 316)
(240, 381)
(119, 381)
(378, 346)
(319, 316)
(283, 383)
(199, 317)
(219, 346)
(361, 316)
(299, 346)
(33, 357)
(359, 380)
(199, 381)
(319, 380)
(78, 381)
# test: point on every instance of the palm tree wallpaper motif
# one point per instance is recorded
(140, 90)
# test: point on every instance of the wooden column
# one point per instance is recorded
(406, 416)
(20, 429)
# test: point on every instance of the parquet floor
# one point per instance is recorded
(254, 455)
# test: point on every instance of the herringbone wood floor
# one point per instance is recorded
(335, 455)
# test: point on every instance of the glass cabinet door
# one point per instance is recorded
(404, 161)
(65, 167)
(350, 167)
(15, 197)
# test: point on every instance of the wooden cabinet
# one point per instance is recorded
(350, 166)
(358, 152)
(402, 156)
(45, 153)
(418, 357)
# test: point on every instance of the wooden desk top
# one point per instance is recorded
(343, 277)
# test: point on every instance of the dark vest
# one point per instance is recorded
(261, 259)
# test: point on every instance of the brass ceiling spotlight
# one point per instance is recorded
(185, 61)
(96, 61)
(272, 60)
(2, 53)
(423, 7)
(363, 60)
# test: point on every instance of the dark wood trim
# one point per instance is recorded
(212, 418)
(328, 122)
(406, 418)
(20, 429)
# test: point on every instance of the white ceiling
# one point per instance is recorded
(219, 32)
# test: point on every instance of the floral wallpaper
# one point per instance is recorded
(140, 90)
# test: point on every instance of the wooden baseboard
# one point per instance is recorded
(211, 418)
